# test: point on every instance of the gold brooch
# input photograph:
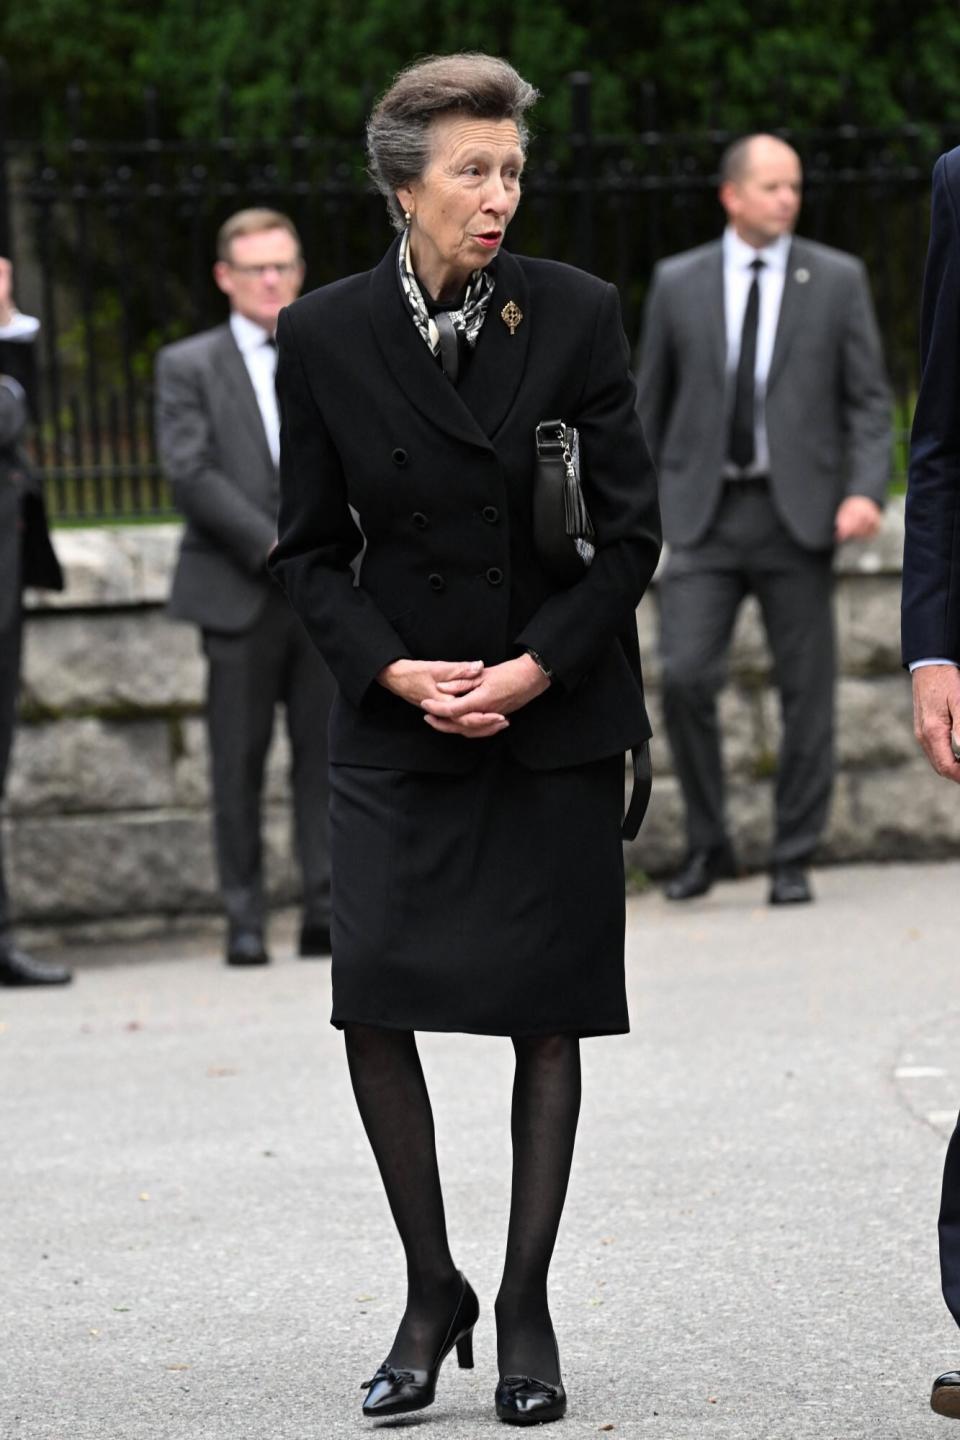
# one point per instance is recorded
(511, 315)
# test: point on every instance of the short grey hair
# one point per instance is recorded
(398, 131)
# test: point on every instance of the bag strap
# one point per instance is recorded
(642, 786)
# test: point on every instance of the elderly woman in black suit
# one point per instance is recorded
(483, 711)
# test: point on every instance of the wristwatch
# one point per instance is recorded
(540, 663)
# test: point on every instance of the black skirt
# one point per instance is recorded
(490, 903)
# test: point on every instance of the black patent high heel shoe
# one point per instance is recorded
(396, 1389)
(523, 1400)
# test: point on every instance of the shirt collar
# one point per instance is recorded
(739, 255)
(247, 333)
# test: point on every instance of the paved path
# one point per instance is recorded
(193, 1241)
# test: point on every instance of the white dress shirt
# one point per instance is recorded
(260, 358)
(23, 328)
(20, 327)
(738, 256)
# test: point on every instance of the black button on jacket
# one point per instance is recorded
(356, 384)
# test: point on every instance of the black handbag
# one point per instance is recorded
(564, 538)
(563, 532)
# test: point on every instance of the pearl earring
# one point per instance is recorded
(407, 216)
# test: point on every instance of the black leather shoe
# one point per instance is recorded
(18, 969)
(521, 1400)
(245, 947)
(700, 869)
(945, 1395)
(314, 941)
(789, 885)
(394, 1389)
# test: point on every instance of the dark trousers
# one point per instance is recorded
(748, 551)
(10, 643)
(949, 1227)
(248, 674)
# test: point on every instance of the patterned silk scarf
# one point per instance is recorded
(467, 321)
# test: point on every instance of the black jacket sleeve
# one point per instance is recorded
(318, 538)
(571, 628)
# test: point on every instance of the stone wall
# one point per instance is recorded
(106, 820)
(107, 824)
(888, 804)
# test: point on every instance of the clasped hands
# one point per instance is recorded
(466, 698)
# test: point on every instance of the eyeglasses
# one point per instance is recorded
(282, 267)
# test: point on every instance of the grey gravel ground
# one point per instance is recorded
(194, 1243)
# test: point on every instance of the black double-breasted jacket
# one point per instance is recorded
(405, 526)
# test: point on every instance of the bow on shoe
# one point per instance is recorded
(513, 1384)
(387, 1372)
(524, 1400)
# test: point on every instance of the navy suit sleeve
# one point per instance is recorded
(931, 557)
(318, 538)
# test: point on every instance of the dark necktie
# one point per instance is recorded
(742, 446)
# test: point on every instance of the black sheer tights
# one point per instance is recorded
(395, 1108)
(546, 1106)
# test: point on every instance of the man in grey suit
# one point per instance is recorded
(764, 399)
(26, 558)
(218, 435)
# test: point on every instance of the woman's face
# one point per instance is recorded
(462, 204)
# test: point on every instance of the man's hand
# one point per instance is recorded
(936, 715)
(483, 710)
(6, 291)
(858, 518)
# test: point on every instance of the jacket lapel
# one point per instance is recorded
(796, 285)
(495, 369)
(409, 360)
(231, 368)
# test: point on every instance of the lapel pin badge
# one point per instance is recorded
(801, 276)
(511, 315)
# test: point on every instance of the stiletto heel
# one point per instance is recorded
(395, 1389)
(465, 1351)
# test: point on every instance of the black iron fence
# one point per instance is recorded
(113, 243)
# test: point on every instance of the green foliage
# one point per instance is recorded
(338, 54)
(733, 64)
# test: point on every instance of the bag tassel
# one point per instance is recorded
(577, 520)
